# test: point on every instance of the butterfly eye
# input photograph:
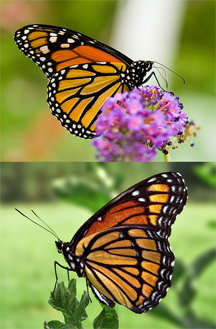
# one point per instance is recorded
(59, 246)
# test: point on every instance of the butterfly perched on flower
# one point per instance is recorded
(123, 249)
(82, 73)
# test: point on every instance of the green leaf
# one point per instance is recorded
(188, 290)
(79, 314)
(200, 264)
(57, 325)
(82, 193)
(74, 312)
(179, 271)
(107, 319)
(65, 301)
(165, 313)
(212, 224)
(61, 298)
(191, 320)
(207, 173)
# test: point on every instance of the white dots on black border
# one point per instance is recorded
(136, 192)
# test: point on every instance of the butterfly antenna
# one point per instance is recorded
(171, 71)
(165, 72)
(48, 229)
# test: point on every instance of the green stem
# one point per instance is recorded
(167, 157)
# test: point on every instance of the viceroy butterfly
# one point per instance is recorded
(123, 249)
(82, 73)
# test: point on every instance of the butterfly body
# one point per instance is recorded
(123, 249)
(82, 73)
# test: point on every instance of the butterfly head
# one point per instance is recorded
(75, 262)
(59, 246)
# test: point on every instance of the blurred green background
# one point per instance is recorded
(65, 195)
(31, 133)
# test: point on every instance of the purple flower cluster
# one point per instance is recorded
(134, 124)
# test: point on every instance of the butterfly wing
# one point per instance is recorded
(54, 48)
(154, 202)
(76, 94)
(123, 249)
(130, 265)
(82, 73)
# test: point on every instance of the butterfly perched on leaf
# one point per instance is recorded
(123, 249)
(82, 73)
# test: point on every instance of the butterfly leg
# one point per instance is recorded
(153, 74)
(87, 286)
(68, 275)
(66, 268)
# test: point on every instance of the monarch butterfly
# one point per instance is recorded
(123, 249)
(82, 73)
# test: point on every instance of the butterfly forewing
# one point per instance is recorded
(54, 48)
(153, 202)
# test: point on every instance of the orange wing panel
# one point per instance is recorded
(146, 290)
(117, 293)
(151, 267)
(37, 35)
(75, 61)
(118, 214)
(155, 208)
(128, 278)
(63, 55)
(149, 278)
(93, 111)
(159, 198)
(78, 111)
(158, 187)
(69, 104)
(39, 42)
(77, 73)
(66, 84)
(95, 54)
(152, 256)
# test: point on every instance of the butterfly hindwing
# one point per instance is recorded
(76, 94)
(130, 265)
